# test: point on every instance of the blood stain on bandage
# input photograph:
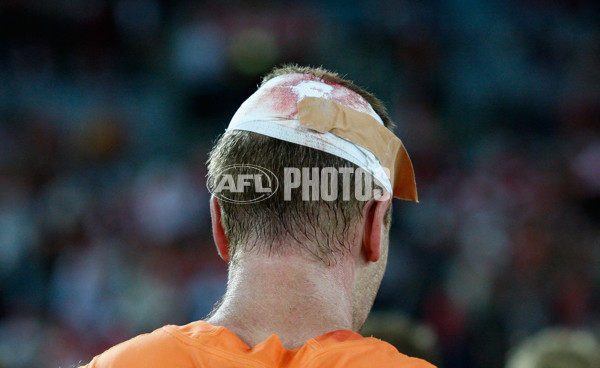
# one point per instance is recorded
(282, 98)
(282, 94)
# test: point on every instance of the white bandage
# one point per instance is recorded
(273, 111)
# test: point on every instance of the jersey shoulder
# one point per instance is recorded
(146, 350)
(366, 352)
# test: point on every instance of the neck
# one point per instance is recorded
(287, 296)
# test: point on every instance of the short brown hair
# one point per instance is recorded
(317, 228)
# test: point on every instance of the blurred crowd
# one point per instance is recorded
(108, 109)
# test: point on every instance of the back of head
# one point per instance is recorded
(319, 230)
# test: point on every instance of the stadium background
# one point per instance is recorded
(108, 109)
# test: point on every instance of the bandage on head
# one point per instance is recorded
(306, 110)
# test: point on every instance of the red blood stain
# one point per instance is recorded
(282, 99)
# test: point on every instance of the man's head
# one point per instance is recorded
(320, 231)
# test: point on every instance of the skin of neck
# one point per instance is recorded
(297, 297)
(286, 296)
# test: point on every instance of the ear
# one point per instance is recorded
(373, 213)
(217, 228)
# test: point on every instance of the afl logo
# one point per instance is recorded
(244, 184)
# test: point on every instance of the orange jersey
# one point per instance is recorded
(200, 344)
